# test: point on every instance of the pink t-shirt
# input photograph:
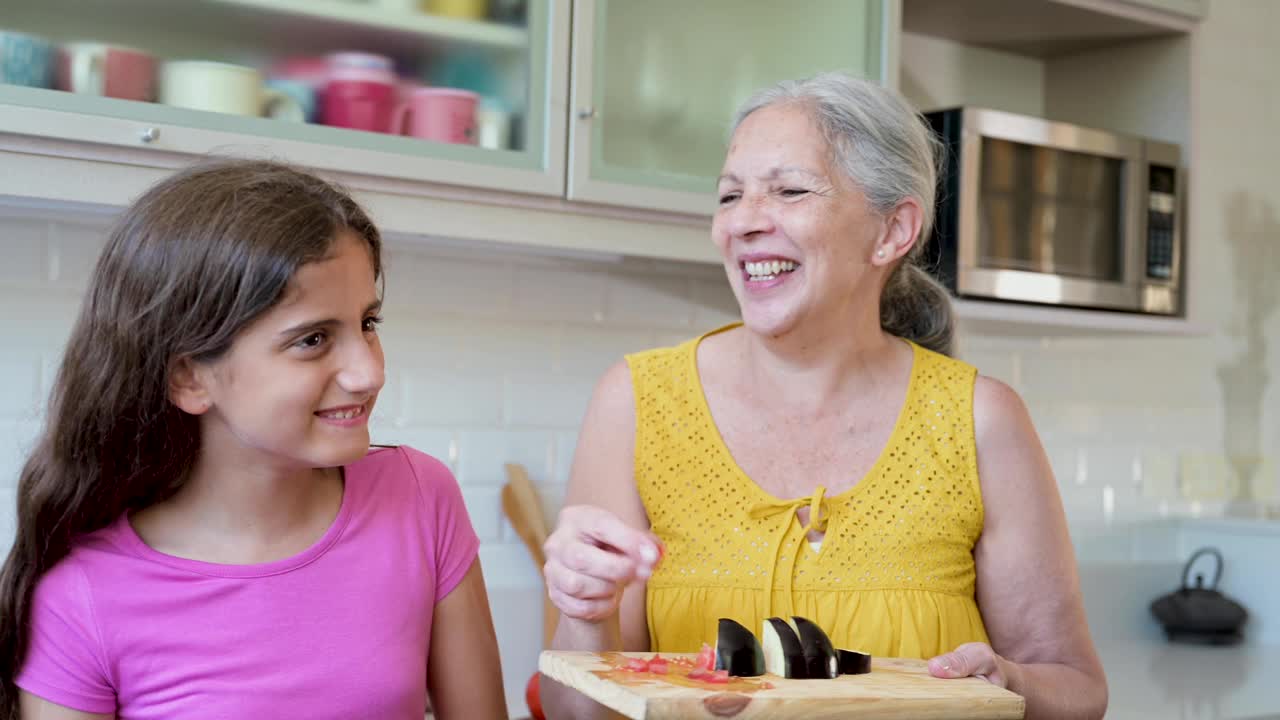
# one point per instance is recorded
(339, 631)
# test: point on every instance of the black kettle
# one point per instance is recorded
(1198, 614)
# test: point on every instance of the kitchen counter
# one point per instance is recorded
(1188, 682)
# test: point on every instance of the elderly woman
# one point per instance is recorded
(825, 457)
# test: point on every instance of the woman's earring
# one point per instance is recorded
(880, 253)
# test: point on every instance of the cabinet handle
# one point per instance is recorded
(586, 113)
(150, 135)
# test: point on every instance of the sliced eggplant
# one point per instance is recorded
(783, 654)
(853, 662)
(819, 655)
(737, 650)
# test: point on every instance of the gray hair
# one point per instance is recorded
(885, 147)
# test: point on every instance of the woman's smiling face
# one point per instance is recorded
(794, 231)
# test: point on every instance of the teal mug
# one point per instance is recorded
(26, 60)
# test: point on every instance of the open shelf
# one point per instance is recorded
(1039, 28)
(257, 31)
(313, 15)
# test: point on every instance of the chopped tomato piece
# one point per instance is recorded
(719, 676)
(706, 658)
(636, 665)
(658, 665)
(699, 673)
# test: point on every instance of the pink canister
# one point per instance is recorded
(360, 98)
(444, 115)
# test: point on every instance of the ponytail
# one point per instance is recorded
(916, 307)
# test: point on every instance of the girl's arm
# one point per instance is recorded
(1028, 589)
(464, 672)
(33, 707)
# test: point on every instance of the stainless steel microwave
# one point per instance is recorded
(1036, 211)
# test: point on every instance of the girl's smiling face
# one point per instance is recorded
(298, 385)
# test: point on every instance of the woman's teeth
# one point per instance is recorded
(345, 414)
(768, 269)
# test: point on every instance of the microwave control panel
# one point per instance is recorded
(1161, 221)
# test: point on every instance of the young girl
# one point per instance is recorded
(203, 530)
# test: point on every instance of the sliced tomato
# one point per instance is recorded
(636, 665)
(699, 674)
(658, 665)
(718, 676)
(533, 697)
(706, 658)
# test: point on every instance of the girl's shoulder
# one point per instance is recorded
(389, 470)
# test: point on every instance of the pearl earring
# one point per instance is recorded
(880, 253)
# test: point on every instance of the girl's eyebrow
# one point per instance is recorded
(372, 307)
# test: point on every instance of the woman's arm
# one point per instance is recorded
(1028, 587)
(33, 707)
(600, 543)
(464, 672)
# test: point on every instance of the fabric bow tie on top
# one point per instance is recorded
(818, 516)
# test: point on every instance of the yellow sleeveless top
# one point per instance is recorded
(894, 574)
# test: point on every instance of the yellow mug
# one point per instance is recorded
(462, 9)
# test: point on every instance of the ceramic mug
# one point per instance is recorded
(224, 88)
(493, 128)
(360, 99)
(301, 92)
(441, 114)
(108, 70)
(26, 60)
(461, 9)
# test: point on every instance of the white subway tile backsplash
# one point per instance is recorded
(439, 443)
(451, 398)
(17, 439)
(73, 253)
(547, 401)
(559, 295)
(20, 387)
(482, 454)
(26, 253)
(713, 304)
(484, 505)
(509, 566)
(589, 351)
(428, 284)
(566, 444)
(492, 359)
(8, 516)
(499, 347)
(649, 300)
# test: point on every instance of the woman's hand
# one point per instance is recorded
(591, 557)
(973, 660)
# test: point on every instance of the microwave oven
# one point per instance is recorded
(1035, 211)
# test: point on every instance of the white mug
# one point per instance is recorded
(224, 88)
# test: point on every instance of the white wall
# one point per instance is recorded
(935, 73)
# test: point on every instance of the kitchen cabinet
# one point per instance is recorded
(515, 67)
(1190, 8)
(656, 83)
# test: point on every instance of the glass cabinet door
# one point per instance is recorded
(656, 84)
(456, 91)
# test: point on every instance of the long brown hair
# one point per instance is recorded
(190, 264)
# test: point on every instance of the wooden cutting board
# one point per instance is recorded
(897, 689)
